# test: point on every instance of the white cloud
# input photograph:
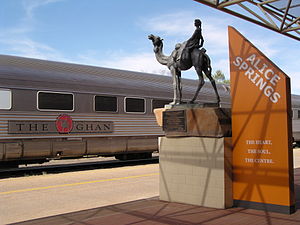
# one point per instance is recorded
(295, 83)
(172, 27)
(267, 47)
(141, 62)
(16, 41)
(289, 62)
(172, 24)
(28, 48)
(215, 32)
(180, 25)
(14, 31)
(31, 5)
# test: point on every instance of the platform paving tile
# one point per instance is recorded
(153, 211)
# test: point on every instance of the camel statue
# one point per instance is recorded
(198, 58)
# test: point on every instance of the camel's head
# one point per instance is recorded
(157, 42)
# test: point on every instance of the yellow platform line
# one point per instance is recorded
(76, 184)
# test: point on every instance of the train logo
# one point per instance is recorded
(64, 124)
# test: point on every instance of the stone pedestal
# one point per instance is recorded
(196, 170)
(195, 156)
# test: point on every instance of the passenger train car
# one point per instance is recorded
(296, 119)
(51, 110)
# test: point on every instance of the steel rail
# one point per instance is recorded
(72, 167)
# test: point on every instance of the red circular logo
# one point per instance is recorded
(64, 124)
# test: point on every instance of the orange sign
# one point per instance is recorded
(261, 129)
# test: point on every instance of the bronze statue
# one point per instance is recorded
(186, 55)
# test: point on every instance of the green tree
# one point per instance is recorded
(219, 77)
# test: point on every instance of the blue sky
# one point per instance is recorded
(114, 33)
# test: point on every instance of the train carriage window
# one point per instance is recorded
(159, 103)
(135, 105)
(5, 99)
(55, 101)
(298, 114)
(106, 104)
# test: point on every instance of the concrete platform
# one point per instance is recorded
(153, 211)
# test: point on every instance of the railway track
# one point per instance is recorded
(71, 167)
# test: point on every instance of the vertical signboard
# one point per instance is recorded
(261, 129)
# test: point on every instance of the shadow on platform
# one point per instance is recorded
(153, 211)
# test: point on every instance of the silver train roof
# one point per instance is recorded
(28, 73)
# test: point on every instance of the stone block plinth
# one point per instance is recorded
(196, 170)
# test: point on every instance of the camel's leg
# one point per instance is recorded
(179, 87)
(213, 83)
(175, 86)
(200, 85)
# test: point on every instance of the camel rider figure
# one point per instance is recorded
(196, 41)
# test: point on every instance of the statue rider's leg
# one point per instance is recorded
(200, 85)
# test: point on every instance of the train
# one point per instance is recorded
(56, 110)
